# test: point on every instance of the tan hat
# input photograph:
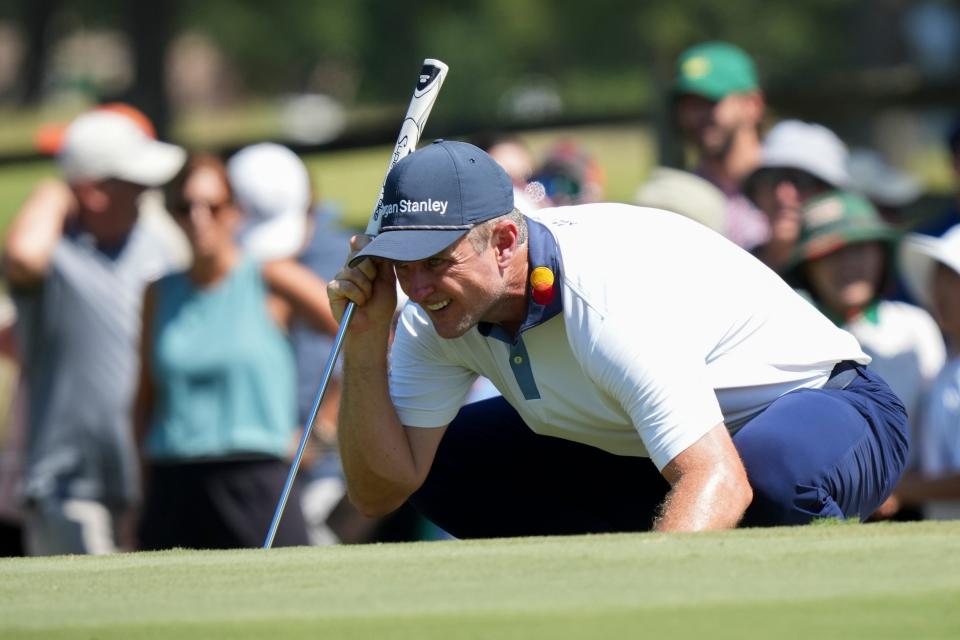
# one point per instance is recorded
(684, 193)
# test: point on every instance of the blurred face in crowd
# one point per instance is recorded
(205, 211)
(712, 125)
(780, 193)
(847, 280)
(108, 208)
(946, 301)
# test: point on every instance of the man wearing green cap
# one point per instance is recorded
(843, 259)
(718, 107)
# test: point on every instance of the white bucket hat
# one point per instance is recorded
(101, 144)
(918, 256)
(872, 176)
(813, 148)
(272, 188)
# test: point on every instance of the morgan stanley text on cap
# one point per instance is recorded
(433, 197)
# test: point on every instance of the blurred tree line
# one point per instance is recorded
(512, 59)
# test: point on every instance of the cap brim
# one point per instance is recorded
(409, 246)
(275, 239)
(701, 89)
(836, 177)
(154, 165)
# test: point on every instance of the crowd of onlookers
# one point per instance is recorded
(168, 315)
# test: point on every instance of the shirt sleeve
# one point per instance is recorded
(662, 385)
(427, 386)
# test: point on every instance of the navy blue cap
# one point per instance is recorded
(433, 197)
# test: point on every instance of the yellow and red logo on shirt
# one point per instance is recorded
(541, 285)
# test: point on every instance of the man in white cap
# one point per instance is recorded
(798, 161)
(77, 263)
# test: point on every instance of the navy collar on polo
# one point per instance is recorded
(542, 251)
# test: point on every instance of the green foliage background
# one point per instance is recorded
(601, 56)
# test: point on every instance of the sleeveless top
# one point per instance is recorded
(223, 371)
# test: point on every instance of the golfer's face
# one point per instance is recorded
(457, 288)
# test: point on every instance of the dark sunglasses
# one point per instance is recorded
(799, 178)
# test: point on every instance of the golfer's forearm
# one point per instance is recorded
(378, 463)
(695, 504)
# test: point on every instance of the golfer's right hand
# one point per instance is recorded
(371, 285)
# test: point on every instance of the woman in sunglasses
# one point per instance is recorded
(215, 413)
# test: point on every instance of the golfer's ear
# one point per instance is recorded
(505, 239)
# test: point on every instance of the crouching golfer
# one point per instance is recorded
(654, 375)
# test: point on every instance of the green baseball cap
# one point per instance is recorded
(714, 70)
(836, 219)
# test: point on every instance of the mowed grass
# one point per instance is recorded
(857, 581)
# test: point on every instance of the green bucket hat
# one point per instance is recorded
(714, 70)
(836, 219)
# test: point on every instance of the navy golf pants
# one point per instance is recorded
(813, 453)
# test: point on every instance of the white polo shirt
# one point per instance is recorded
(661, 329)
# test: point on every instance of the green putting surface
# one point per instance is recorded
(849, 581)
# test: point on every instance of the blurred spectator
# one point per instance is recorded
(153, 216)
(891, 191)
(931, 270)
(685, 193)
(516, 159)
(569, 175)
(273, 189)
(951, 216)
(77, 263)
(11, 433)
(843, 258)
(798, 161)
(718, 107)
(216, 411)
